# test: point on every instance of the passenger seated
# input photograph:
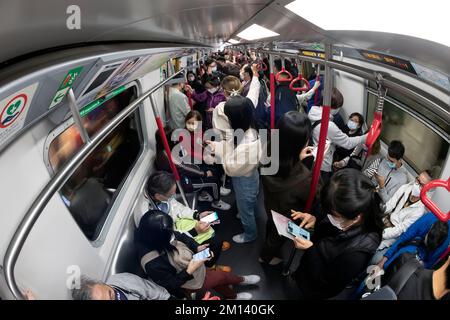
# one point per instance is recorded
(335, 136)
(120, 286)
(193, 122)
(389, 174)
(344, 242)
(288, 189)
(402, 210)
(427, 238)
(161, 188)
(353, 128)
(193, 175)
(423, 284)
(359, 159)
(166, 257)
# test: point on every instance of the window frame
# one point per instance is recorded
(413, 113)
(120, 192)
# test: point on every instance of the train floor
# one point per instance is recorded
(243, 258)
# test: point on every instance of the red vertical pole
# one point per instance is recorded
(272, 101)
(320, 153)
(173, 167)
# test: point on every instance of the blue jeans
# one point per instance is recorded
(246, 191)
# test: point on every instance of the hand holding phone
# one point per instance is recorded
(210, 218)
(202, 255)
(296, 231)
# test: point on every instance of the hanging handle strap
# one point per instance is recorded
(299, 79)
(282, 72)
(430, 204)
(375, 128)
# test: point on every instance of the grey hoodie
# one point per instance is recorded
(137, 288)
(335, 136)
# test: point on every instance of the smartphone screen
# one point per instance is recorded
(210, 217)
(202, 255)
(296, 231)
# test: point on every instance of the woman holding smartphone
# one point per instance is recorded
(344, 241)
(167, 258)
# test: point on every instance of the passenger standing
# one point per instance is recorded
(240, 158)
(178, 106)
(344, 242)
(289, 188)
(285, 98)
(212, 96)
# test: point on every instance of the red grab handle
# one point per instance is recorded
(374, 132)
(262, 66)
(430, 204)
(284, 71)
(299, 78)
(189, 95)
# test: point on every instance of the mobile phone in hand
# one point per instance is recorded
(296, 231)
(202, 255)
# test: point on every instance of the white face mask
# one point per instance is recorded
(192, 127)
(338, 222)
(415, 191)
(241, 75)
(335, 222)
(191, 78)
(214, 69)
(334, 111)
(352, 125)
(212, 90)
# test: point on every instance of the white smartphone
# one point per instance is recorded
(202, 255)
(210, 218)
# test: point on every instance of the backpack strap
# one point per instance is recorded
(316, 123)
(149, 257)
(402, 276)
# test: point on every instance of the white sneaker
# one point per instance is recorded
(251, 279)
(224, 191)
(221, 205)
(239, 238)
(244, 296)
(205, 196)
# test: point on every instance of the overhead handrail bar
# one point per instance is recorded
(56, 182)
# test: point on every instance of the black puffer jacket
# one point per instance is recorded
(335, 260)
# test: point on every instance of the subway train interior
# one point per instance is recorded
(343, 188)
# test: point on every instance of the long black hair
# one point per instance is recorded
(350, 193)
(241, 112)
(155, 231)
(294, 132)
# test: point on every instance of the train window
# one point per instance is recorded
(90, 192)
(400, 124)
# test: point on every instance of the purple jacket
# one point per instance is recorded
(211, 100)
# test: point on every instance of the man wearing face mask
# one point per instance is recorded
(120, 286)
(402, 210)
(335, 135)
(178, 104)
(390, 173)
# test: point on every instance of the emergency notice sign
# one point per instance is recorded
(13, 111)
